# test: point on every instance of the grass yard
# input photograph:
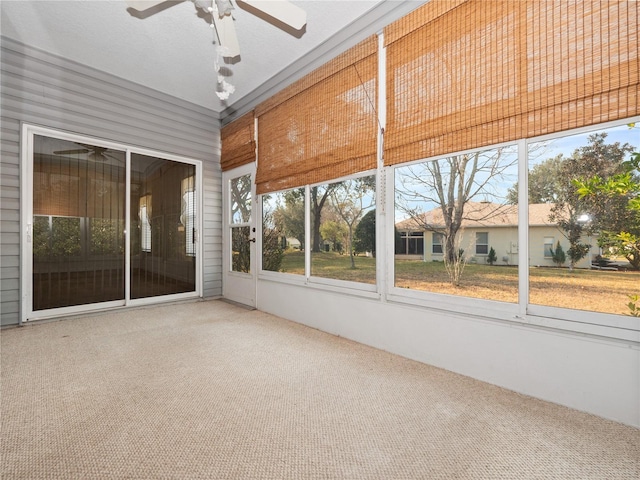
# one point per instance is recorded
(332, 265)
(593, 290)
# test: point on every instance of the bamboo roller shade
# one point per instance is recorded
(323, 126)
(238, 142)
(465, 74)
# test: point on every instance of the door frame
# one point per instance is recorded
(28, 131)
(239, 287)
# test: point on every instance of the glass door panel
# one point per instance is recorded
(78, 223)
(163, 227)
(239, 239)
(240, 215)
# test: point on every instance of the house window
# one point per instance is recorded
(410, 243)
(548, 247)
(415, 242)
(482, 243)
(436, 243)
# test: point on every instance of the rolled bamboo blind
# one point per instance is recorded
(322, 126)
(74, 187)
(238, 142)
(469, 73)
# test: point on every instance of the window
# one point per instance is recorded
(436, 243)
(283, 231)
(343, 242)
(548, 247)
(409, 243)
(454, 197)
(595, 264)
(482, 243)
(240, 217)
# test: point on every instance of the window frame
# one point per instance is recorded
(357, 288)
(492, 309)
(590, 323)
(599, 324)
(477, 244)
(549, 253)
(440, 237)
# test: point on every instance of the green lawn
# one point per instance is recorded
(600, 291)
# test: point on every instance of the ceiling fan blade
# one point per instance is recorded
(141, 5)
(281, 10)
(227, 35)
(70, 152)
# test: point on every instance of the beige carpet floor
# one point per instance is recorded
(208, 390)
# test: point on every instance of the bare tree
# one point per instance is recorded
(449, 185)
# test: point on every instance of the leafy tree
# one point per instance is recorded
(624, 187)
(350, 199)
(272, 233)
(365, 234)
(335, 233)
(241, 250)
(492, 257)
(558, 256)
(570, 209)
(544, 182)
(290, 217)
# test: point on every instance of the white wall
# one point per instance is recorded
(593, 374)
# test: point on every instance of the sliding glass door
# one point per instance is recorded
(163, 227)
(78, 224)
(84, 199)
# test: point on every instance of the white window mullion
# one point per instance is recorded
(523, 228)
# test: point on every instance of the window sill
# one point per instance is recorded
(326, 284)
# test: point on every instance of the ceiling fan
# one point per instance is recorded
(95, 153)
(220, 10)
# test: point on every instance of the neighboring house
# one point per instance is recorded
(487, 225)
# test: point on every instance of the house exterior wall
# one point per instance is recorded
(537, 248)
(41, 89)
(504, 241)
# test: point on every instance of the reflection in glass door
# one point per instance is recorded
(78, 224)
(163, 227)
(75, 241)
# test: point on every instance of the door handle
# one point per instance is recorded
(252, 240)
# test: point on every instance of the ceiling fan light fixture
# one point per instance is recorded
(224, 7)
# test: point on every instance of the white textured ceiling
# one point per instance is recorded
(172, 50)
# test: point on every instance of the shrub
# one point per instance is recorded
(558, 256)
(492, 258)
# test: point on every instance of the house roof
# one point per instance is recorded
(481, 215)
